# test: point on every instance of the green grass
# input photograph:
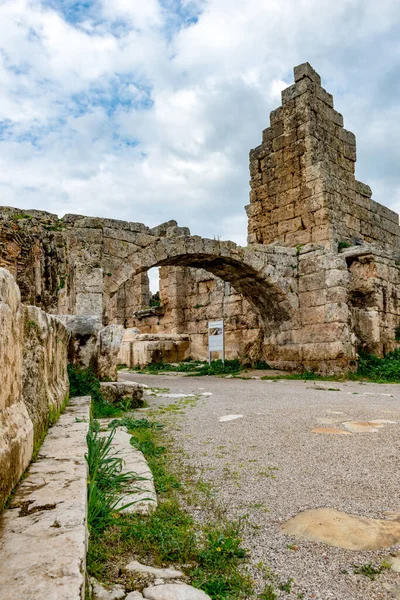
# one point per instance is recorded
(83, 382)
(106, 480)
(196, 367)
(211, 556)
(268, 593)
(342, 245)
(369, 570)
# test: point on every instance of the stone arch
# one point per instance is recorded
(251, 272)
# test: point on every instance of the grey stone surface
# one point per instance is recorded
(83, 346)
(110, 339)
(269, 466)
(43, 533)
(101, 592)
(137, 567)
(172, 591)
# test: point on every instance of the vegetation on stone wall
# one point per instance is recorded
(370, 368)
(83, 382)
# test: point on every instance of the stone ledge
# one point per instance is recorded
(143, 493)
(43, 534)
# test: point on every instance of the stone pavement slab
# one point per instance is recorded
(43, 535)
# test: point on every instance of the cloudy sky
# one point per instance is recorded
(146, 109)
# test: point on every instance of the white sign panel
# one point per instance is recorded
(216, 337)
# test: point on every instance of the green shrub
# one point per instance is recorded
(380, 369)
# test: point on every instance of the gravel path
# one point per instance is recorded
(269, 465)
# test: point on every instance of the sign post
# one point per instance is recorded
(216, 339)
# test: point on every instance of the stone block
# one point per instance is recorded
(16, 429)
(314, 281)
(337, 278)
(128, 392)
(289, 225)
(44, 532)
(45, 384)
(89, 304)
(306, 70)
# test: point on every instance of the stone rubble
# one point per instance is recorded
(98, 591)
(171, 591)
(137, 567)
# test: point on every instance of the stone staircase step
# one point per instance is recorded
(43, 539)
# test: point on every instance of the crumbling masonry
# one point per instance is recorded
(318, 281)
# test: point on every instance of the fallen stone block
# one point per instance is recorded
(173, 591)
(127, 391)
(100, 592)
(137, 567)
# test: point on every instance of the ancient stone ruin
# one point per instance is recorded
(317, 282)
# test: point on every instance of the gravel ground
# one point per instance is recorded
(269, 465)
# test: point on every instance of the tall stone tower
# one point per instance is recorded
(303, 187)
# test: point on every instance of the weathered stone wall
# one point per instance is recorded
(33, 248)
(34, 382)
(45, 385)
(16, 428)
(192, 297)
(92, 346)
(303, 187)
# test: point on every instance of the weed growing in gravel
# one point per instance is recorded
(369, 570)
(268, 593)
(210, 556)
(132, 423)
(286, 586)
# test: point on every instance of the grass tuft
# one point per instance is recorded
(107, 481)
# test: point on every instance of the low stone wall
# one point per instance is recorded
(139, 350)
(34, 380)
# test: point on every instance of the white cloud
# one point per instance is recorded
(131, 112)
